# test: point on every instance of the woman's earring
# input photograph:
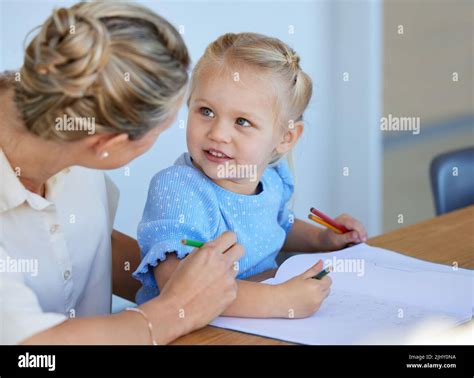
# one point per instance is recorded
(104, 155)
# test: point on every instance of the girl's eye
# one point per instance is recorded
(206, 112)
(243, 122)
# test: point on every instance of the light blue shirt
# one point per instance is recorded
(183, 203)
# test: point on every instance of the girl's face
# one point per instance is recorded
(232, 132)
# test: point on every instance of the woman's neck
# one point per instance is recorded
(34, 159)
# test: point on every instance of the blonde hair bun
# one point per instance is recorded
(116, 62)
(70, 51)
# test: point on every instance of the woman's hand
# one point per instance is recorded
(329, 240)
(203, 285)
(302, 295)
(200, 289)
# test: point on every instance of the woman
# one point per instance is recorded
(100, 82)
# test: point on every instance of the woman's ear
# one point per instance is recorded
(110, 143)
(290, 137)
(104, 144)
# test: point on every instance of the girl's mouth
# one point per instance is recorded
(216, 156)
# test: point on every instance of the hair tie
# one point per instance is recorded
(292, 59)
(41, 69)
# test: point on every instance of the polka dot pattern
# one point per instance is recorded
(183, 203)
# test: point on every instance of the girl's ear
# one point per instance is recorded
(290, 137)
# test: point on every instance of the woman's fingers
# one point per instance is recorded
(227, 245)
(205, 281)
(223, 242)
(232, 257)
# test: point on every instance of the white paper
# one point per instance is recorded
(392, 295)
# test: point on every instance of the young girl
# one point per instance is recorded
(247, 98)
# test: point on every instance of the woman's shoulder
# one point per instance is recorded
(84, 175)
(81, 179)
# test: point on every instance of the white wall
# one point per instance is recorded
(342, 120)
(356, 110)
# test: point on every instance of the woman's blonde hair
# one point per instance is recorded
(118, 63)
(269, 55)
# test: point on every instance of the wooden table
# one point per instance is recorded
(447, 239)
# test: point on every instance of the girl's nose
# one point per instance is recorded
(220, 132)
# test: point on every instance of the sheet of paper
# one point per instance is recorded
(389, 296)
(386, 258)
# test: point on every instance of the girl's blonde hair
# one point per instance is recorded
(118, 63)
(271, 56)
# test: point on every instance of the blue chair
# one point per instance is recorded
(452, 180)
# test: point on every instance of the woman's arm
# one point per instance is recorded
(125, 260)
(203, 284)
(123, 328)
(254, 299)
(298, 297)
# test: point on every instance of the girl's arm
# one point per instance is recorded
(296, 298)
(304, 237)
(253, 299)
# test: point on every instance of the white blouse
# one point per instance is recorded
(55, 252)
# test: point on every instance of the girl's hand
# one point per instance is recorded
(330, 240)
(302, 295)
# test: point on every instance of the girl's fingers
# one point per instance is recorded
(326, 282)
(315, 269)
(350, 237)
(354, 225)
(359, 227)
